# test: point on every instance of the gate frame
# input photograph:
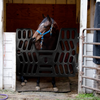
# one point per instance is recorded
(84, 66)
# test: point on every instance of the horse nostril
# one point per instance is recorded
(33, 39)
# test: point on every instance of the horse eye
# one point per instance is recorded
(45, 26)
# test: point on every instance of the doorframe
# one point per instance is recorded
(1, 42)
(83, 24)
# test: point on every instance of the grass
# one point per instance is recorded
(83, 97)
(86, 97)
(4, 91)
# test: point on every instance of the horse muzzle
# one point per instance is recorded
(33, 40)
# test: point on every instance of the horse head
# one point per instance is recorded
(46, 28)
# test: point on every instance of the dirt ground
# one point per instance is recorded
(45, 95)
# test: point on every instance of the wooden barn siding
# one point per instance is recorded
(77, 2)
(30, 15)
(42, 1)
(9, 76)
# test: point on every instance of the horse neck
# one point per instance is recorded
(55, 28)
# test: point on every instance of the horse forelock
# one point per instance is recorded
(46, 19)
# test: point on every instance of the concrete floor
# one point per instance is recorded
(62, 84)
(45, 95)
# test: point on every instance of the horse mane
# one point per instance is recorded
(55, 28)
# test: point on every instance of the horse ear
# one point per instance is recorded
(43, 15)
(48, 18)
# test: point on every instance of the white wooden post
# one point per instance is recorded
(1, 44)
(83, 24)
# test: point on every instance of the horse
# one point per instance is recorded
(45, 38)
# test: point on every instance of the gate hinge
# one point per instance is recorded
(81, 73)
(81, 37)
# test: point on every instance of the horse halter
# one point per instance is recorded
(49, 31)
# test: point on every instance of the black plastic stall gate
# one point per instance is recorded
(46, 63)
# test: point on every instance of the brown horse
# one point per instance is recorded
(45, 38)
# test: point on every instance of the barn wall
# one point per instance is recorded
(42, 1)
(89, 62)
(77, 2)
(90, 14)
(9, 74)
(30, 15)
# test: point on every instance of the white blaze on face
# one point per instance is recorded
(36, 34)
(42, 24)
(41, 29)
